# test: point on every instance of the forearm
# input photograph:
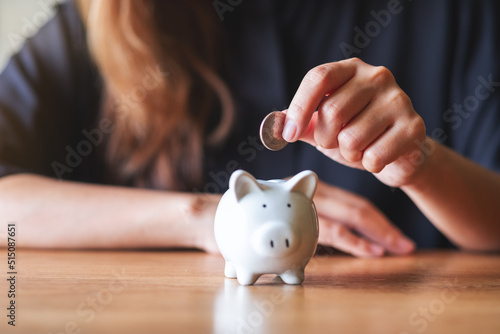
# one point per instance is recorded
(51, 213)
(460, 198)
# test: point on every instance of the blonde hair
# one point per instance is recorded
(159, 138)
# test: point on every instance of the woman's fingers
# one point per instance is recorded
(338, 236)
(340, 109)
(361, 132)
(333, 153)
(353, 213)
(317, 83)
(397, 141)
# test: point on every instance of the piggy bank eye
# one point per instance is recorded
(289, 205)
(264, 205)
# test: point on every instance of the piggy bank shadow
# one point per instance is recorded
(260, 308)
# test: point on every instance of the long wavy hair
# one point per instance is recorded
(163, 122)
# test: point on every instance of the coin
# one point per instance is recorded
(271, 131)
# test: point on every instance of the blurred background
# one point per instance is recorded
(20, 19)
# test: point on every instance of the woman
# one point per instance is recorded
(165, 99)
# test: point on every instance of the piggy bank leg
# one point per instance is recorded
(295, 276)
(246, 277)
(229, 270)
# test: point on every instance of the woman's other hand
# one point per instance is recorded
(353, 225)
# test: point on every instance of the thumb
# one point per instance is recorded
(308, 134)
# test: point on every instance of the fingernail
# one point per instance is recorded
(376, 250)
(289, 130)
(406, 245)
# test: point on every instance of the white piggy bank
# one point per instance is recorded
(267, 227)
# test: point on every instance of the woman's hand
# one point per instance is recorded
(364, 120)
(353, 225)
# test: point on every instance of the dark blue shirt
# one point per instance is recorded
(444, 55)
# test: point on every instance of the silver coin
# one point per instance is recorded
(271, 131)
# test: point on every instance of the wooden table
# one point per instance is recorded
(185, 292)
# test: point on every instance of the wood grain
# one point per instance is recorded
(185, 292)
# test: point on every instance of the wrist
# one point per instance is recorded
(199, 215)
(430, 163)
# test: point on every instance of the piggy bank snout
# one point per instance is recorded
(275, 239)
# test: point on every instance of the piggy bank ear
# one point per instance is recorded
(305, 183)
(242, 183)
